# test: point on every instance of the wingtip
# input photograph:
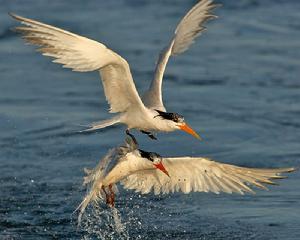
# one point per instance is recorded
(85, 130)
(291, 169)
(217, 5)
(17, 17)
(13, 15)
(294, 169)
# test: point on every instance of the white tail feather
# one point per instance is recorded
(103, 124)
(95, 177)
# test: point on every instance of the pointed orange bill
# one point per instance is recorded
(161, 167)
(188, 129)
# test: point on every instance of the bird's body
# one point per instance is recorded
(126, 166)
(136, 169)
(149, 121)
(147, 172)
(82, 54)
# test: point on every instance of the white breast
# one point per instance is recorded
(147, 122)
(126, 166)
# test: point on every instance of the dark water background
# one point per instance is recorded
(238, 86)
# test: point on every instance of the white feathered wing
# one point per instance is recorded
(188, 29)
(83, 55)
(189, 174)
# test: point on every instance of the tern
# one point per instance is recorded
(81, 54)
(147, 172)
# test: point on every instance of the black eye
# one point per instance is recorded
(145, 154)
(170, 116)
(149, 155)
(177, 118)
(174, 117)
(154, 155)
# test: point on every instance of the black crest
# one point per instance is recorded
(170, 116)
(149, 155)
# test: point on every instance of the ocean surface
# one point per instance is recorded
(238, 86)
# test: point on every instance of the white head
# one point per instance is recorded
(176, 121)
(156, 159)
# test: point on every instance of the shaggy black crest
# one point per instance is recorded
(149, 155)
(170, 116)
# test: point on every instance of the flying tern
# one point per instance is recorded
(81, 54)
(147, 172)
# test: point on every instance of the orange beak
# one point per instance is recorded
(186, 128)
(161, 167)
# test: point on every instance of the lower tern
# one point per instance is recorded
(81, 54)
(147, 172)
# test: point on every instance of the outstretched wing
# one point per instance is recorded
(190, 27)
(189, 174)
(82, 55)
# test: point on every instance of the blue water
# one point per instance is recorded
(238, 86)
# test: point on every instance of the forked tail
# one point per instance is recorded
(103, 124)
(95, 177)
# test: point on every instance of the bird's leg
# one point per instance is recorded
(106, 194)
(150, 135)
(111, 199)
(132, 137)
